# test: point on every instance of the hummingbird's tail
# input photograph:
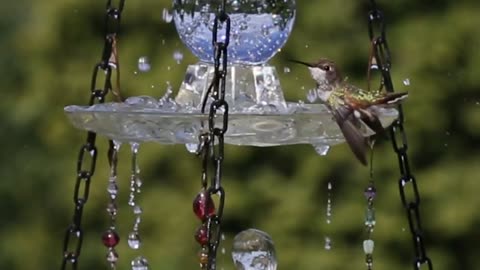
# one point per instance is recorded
(350, 127)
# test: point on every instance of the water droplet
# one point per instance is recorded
(329, 186)
(134, 240)
(286, 70)
(321, 149)
(166, 16)
(117, 145)
(254, 250)
(134, 147)
(140, 263)
(328, 243)
(144, 64)
(235, 5)
(406, 82)
(192, 147)
(178, 56)
(265, 30)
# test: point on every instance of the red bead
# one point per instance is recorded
(203, 205)
(110, 238)
(202, 235)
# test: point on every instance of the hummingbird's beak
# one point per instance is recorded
(300, 62)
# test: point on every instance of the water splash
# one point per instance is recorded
(144, 64)
(167, 16)
(192, 147)
(312, 95)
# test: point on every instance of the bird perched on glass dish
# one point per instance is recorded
(349, 104)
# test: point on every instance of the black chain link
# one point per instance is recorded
(377, 32)
(72, 244)
(212, 143)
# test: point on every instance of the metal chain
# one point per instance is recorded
(212, 142)
(407, 182)
(72, 244)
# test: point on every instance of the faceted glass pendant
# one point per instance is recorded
(112, 256)
(203, 205)
(370, 192)
(370, 217)
(254, 250)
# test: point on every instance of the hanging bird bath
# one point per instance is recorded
(259, 115)
(247, 107)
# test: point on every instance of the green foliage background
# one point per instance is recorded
(47, 54)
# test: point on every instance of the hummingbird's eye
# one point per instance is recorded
(326, 68)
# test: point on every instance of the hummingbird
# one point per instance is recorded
(350, 105)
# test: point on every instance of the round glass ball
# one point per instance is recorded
(258, 28)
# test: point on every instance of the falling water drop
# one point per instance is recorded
(328, 243)
(192, 147)
(254, 250)
(329, 203)
(321, 149)
(406, 82)
(144, 64)
(178, 56)
(286, 70)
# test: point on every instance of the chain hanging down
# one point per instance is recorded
(407, 182)
(72, 244)
(211, 149)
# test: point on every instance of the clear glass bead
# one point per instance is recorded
(254, 250)
(368, 246)
(140, 263)
(137, 210)
(112, 189)
(370, 217)
(134, 241)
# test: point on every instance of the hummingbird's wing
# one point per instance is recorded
(349, 126)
